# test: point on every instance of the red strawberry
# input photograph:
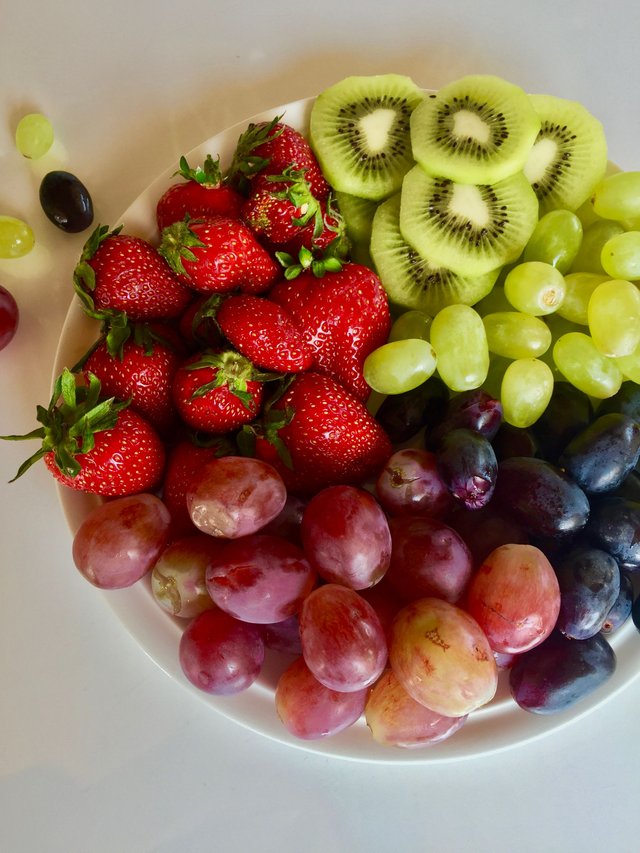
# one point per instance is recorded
(117, 272)
(268, 148)
(198, 325)
(139, 368)
(217, 392)
(184, 461)
(204, 193)
(218, 255)
(264, 332)
(343, 316)
(317, 434)
(93, 444)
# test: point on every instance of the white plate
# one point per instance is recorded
(497, 726)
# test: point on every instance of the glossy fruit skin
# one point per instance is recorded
(410, 484)
(621, 609)
(475, 410)
(568, 412)
(220, 654)
(346, 537)
(197, 200)
(66, 201)
(614, 526)
(541, 497)
(589, 587)
(178, 576)
(402, 416)
(560, 672)
(126, 459)
(626, 401)
(9, 317)
(468, 466)
(600, 456)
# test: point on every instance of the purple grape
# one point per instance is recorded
(614, 526)
(468, 466)
(589, 582)
(621, 609)
(599, 457)
(475, 410)
(569, 411)
(403, 415)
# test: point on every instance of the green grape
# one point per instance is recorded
(594, 238)
(618, 196)
(614, 317)
(516, 335)
(411, 324)
(460, 342)
(630, 365)
(583, 365)
(586, 214)
(578, 289)
(534, 287)
(494, 301)
(555, 240)
(399, 366)
(620, 256)
(497, 367)
(558, 326)
(525, 392)
(16, 237)
(34, 135)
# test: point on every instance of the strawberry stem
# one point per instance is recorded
(208, 175)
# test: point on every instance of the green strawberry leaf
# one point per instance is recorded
(177, 241)
(208, 175)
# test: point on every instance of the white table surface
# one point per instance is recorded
(99, 749)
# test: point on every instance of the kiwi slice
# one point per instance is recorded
(470, 228)
(360, 133)
(358, 216)
(569, 155)
(410, 279)
(476, 130)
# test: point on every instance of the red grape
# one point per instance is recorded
(220, 654)
(410, 484)
(178, 578)
(121, 540)
(345, 535)
(343, 642)
(309, 710)
(9, 317)
(259, 578)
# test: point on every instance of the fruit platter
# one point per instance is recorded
(346, 419)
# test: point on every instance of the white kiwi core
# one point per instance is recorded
(376, 127)
(467, 125)
(540, 157)
(467, 203)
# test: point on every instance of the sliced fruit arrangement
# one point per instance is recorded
(359, 384)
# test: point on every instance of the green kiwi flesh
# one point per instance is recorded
(357, 214)
(478, 130)
(410, 279)
(569, 156)
(360, 132)
(471, 229)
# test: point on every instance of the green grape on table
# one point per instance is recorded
(527, 386)
(620, 256)
(460, 342)
(513, 334)
(399, 366)
(584, 366)
(34, 136)
(589, 257)
(535, 287)
(614, 317)
(578, 289)
(16, 237)
(411, 324)
(555, 240)
(617, 196)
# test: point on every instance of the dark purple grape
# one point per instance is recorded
(629, 488)
(66, 201)
(614, 526)
(515, 441)
(403, 415)
(475, 410)
(560, 672)
(541, 497)
(486, 529)
(621, 609)
(589, 582)
(569, 411)
(600, 456)
(468, 466)
(626, 400)
(635, 612)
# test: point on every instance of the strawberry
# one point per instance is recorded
(217, 255)
(343, 316)
(203, 193)
(184, 461)
(139, 368)
(268, 148)
(198, 325)
(264, 333)
(317, 434)
(95, 445)
(118, 272)
(217, 392)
